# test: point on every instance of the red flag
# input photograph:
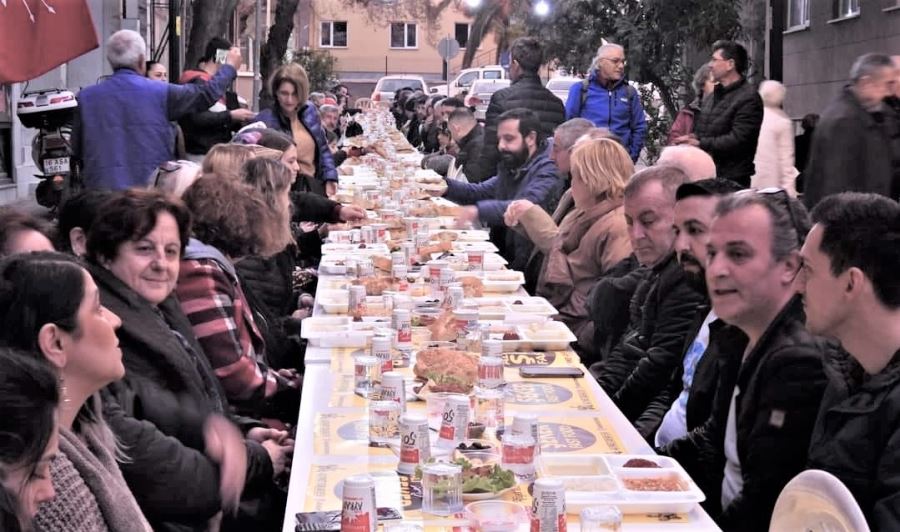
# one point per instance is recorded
(39, 35)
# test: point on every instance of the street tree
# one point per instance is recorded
(209, 18)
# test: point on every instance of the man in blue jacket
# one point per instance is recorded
(123, 129)
(525, 172)
(607, 100)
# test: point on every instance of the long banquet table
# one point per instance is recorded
(332, 441)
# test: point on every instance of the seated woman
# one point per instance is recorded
(21, 232)
(232, 221)
(591, 238)
(138, 236)
(29, 437)
(76, 216)
(77, 335)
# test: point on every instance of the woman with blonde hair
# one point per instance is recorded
(294, 115)
(590, 239)
(774, 159)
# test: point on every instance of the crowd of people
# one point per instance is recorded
(150, 337)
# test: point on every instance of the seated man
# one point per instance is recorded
(694, 162)
(757, 437)
(663, 305)
(525, 172)
(686, 402)
(850, 291)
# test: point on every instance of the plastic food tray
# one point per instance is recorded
(548, 336)
(466, 235)
(530, 305)
(328, 331)
(355, 249)
(602, 479)
(333, 301)
(462, 246)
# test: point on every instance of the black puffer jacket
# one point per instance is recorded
(469, 156)
(723, 339)
(529, 93)
(661, 313)
(857, 436)
(608, 308)
(728, 129)
(780, 385)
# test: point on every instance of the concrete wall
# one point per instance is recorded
(817, 59)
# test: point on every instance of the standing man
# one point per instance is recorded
(850, 291)
(851, 150)
(728, 125)
(123, 129)
(526, 92)
(757, 437)
(217, 124)
(526, 172)
(607, 100)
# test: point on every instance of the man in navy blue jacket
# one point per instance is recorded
(607, 100)
(123, 129)
(525, 172)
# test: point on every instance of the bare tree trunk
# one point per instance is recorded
(272, 53)
(210, 19)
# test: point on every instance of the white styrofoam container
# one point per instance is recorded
(334, 331)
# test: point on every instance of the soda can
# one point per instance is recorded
(415, 443)
(517, 454)
(384, 422)
(401, 321)
(358, 511)
(412, 227)
(548, 507)
(527, 425)
(455, 295)
(490, 371)
(398, 258)
(368, 234)
(381, 349)
(447, 277)
(475, 261)
(433, 272)
(355, 236)
(366, 373)
(466, 319)
(393, 389)
(454, 421)
(491, 348)
(357, 304)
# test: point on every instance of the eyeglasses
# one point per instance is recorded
(615, 61)
(786, 199)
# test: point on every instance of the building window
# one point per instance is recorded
(846, 8)
(334, 34)
(462, 33)
(797, 13)
(403, 35)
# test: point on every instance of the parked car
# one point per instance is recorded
(480, 94)
(388, 85)
(560, 86)
(463, 81)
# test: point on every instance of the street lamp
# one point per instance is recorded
(542, 8)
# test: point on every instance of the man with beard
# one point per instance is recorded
(663, 305)
(525, 172)
(757, 436)
(686, 403)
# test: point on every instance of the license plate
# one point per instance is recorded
(59, 165)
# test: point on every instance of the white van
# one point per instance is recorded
(463, 81)
(388, 85)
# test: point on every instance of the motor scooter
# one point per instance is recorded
(51, 112)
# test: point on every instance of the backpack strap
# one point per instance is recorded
(585, 83)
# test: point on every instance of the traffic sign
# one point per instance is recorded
(448, 48)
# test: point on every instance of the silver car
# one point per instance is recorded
(560, 87)
(480, 94)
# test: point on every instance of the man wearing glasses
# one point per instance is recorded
(728, 125)
(607, 100)
(757, 437)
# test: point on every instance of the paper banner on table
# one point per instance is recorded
(555, 394)
(339, 434)
(342, 359)
(557, 359)
(588, 435)
(323, 492)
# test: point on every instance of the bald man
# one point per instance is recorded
(694, 162)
